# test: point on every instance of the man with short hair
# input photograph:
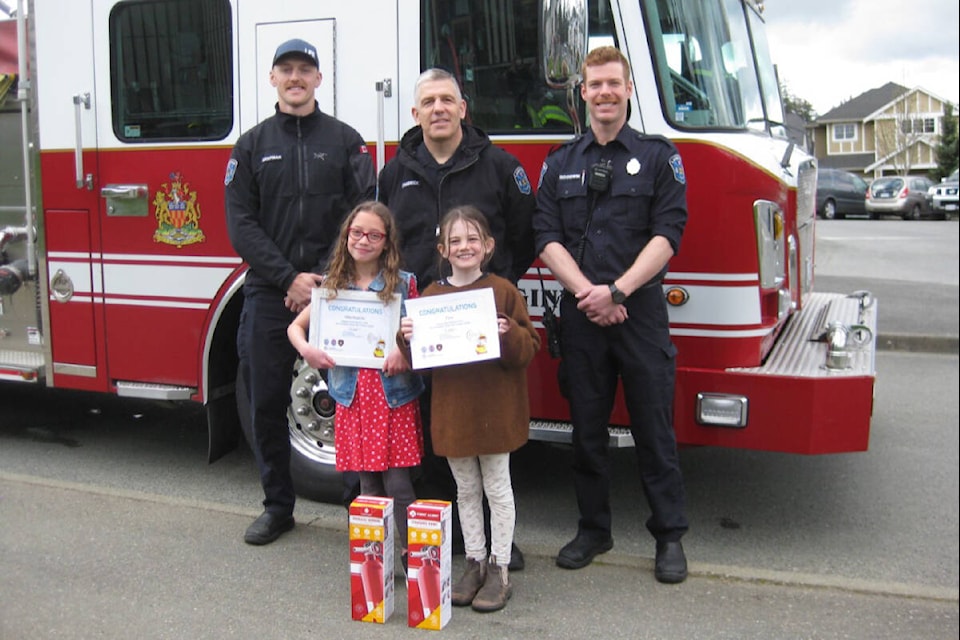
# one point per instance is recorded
(443, 162)
(290, 182)
(611, 209)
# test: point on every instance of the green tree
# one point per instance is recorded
(947, 150)
(797, 105)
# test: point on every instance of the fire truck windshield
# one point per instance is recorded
(708, 57)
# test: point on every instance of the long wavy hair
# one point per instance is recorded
(342, 271)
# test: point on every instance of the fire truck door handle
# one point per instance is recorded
(384, 90)
(124, 191)
(81, 100)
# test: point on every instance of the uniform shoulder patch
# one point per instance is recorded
(677, 165)
(231, 171)
(523, 182)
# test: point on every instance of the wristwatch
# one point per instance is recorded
(618, 296)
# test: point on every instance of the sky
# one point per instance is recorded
(828, 51)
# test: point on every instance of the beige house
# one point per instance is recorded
(890, 130)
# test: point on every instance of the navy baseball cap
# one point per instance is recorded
(297, 47)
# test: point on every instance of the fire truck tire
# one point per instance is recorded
(312, 467)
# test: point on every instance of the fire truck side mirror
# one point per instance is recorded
(563, 29)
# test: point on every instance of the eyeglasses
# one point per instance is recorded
(372, 236)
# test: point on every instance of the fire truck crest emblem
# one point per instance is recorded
(177, 212)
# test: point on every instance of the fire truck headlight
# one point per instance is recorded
(722, 410)
(768, 219)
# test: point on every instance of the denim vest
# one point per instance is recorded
(399, 389)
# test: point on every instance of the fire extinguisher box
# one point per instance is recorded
(371, 558)
(429, 558)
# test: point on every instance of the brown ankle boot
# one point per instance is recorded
(496, 589)
(469, 583)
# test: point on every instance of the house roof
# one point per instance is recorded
(865, 104)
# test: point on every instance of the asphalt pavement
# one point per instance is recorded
(112, 526)
(911, 269)
(120, 531)
(80, 564)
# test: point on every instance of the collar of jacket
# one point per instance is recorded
(377, 285)
(624, 137)
(474, 140)
(290, 121)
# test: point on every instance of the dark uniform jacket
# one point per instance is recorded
(290, 182)
(479, 174)
(646, 198)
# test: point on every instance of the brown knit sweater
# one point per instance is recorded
(482, 408)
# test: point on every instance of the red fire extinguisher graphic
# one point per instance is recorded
(371, 573)
(428, 578)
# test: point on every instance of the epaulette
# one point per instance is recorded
(655, 137)
(568, 143)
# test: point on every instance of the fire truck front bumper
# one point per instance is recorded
(813, 394)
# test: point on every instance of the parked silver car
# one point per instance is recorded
(943, 196)
(904, 196)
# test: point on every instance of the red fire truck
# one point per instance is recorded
(117, 118)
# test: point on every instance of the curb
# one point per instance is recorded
(916, 343)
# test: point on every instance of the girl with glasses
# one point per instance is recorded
(378, 428)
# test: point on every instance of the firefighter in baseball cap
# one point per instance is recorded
(299, 48)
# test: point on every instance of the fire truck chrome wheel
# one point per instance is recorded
(310, 418)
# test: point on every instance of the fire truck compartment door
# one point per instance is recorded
(166, 119)
(357, 47)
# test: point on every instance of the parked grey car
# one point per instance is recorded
(943, 196)
(840, 193)
(898, 196)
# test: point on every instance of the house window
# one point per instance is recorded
(845, 131)
(920, 125)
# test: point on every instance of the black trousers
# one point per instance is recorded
(595, 358)
(267, 358)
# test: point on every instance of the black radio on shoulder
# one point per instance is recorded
(599, 176)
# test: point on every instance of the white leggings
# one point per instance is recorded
(475, 476)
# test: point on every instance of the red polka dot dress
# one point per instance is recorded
(370, 436)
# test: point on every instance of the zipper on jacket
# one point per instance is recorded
(301, 187)
(472, 161)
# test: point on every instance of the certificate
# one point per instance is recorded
(356, 328)
(453, 328)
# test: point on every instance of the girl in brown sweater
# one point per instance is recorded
(480, 411)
